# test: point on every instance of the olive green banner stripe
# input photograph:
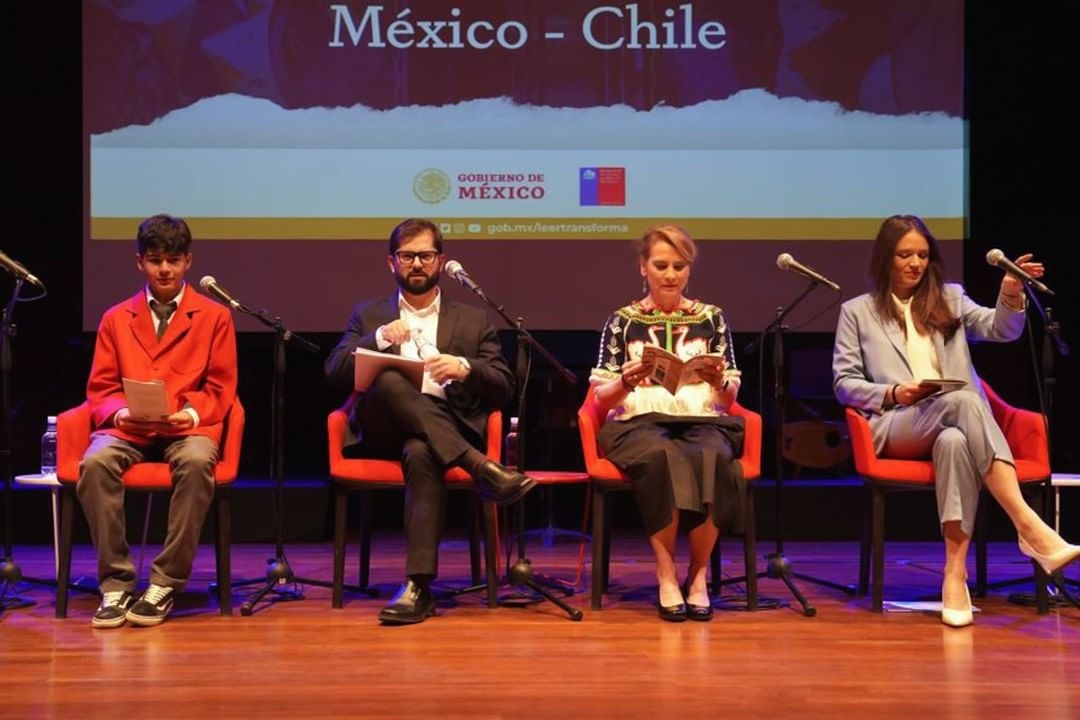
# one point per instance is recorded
(368, 228)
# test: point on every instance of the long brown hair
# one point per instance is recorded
(929, 311)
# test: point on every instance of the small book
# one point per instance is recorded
(938, 386)
(369, 363)
(146, 399)
(671, 372)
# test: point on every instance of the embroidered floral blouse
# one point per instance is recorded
(698, 329)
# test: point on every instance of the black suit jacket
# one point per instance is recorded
(464, 331)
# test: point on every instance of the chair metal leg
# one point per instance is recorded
(750, 550)
(475, 531)
(865, 541)
(341, 505)
(63, 574)
(877, 543)
(491, 546)
(223, 547)
(367, 498)
(600, 543)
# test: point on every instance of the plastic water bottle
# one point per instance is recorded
(48, 447)
(510, 446)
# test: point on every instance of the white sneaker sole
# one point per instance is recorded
(146, 620)
(109, 624)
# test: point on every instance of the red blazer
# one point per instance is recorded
(196, 359)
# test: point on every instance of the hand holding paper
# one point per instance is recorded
(146, 400)
(369, 363)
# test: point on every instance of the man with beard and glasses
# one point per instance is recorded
(442, 424)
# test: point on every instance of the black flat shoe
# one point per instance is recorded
(412, 604)
(673, 613)
(701, 613)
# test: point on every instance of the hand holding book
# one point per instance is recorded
(939, 386)
(672, 372)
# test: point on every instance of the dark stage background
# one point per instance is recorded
(1017, 75)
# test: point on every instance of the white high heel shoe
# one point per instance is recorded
(1054, 561)
(957, 617)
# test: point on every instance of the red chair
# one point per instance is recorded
(1024, 430)
(607, 478)
(365, 475)
(72, 440)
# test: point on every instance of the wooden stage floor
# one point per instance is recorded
(301, 659)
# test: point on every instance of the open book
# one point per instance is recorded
(938, 386)
(146, 399)
(670, 371)
(369, 363)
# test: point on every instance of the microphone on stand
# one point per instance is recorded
(18, 270)
(456, 271)
(784, 261)
(997, 258)
(210, 284)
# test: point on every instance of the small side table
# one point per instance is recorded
(47, 481)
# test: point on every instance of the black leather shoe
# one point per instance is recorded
(702, 613)
(501, 484)
(412, 604)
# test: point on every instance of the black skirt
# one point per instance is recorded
(682, 463)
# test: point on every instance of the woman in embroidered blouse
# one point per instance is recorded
(913, 326)
(677, 448)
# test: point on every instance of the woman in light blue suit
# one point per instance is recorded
(913, 326)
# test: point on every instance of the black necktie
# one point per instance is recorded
(164, 311)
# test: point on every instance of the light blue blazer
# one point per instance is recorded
(870, 353)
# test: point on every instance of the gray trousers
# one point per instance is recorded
(958, 433)
(101, 494)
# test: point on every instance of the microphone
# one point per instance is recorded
(210, 285)
(784, 261)
(456, 271)
(997, 258)
(18, 270)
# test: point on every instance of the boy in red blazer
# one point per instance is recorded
(169, 332)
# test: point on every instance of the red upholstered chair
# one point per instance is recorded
(607, 478)
(73, 437)
(366, 475)
(1025, 432)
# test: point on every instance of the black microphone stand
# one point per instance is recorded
(521, 573)
(278, 570)
(778, 567)
(1051, 340)
(10, 572)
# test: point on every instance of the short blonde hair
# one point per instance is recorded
(671, 234)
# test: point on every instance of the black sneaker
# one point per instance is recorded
(153, 607)
(112, 611)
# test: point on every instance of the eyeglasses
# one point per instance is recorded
(427, 257)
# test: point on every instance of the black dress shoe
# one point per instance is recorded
(702, 613)
(412, 604)
(501, 484)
